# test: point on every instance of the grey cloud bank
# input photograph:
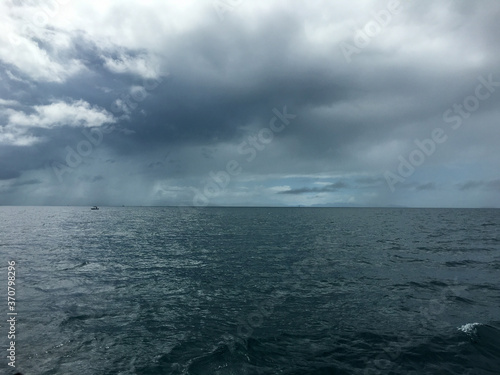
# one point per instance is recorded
(150, 103)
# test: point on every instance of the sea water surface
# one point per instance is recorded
(165, 290)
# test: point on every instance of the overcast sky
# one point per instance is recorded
(244, 102)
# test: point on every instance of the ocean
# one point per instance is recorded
(166, 290)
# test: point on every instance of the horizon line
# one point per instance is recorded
(243, 206)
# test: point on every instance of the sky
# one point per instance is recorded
(250, 103)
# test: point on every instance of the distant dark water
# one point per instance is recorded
(253, 290)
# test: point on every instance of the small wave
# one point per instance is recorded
(469, 328)
(488, 224)
(483, 287)
(83, 264)
(460, 263)
(464, 300)
(486, 339)
(81, 319)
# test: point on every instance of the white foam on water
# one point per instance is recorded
(469, 328)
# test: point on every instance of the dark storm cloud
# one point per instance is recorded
(370, 181)
(9, 188)
(469, 185)
(427, 186)
(323, 189)
(24, 183)
(33, 181)
(183, 91)
(474, 185)
(6, 173)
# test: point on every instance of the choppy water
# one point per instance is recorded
(253, 290)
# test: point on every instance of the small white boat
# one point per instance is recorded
(94, 208)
